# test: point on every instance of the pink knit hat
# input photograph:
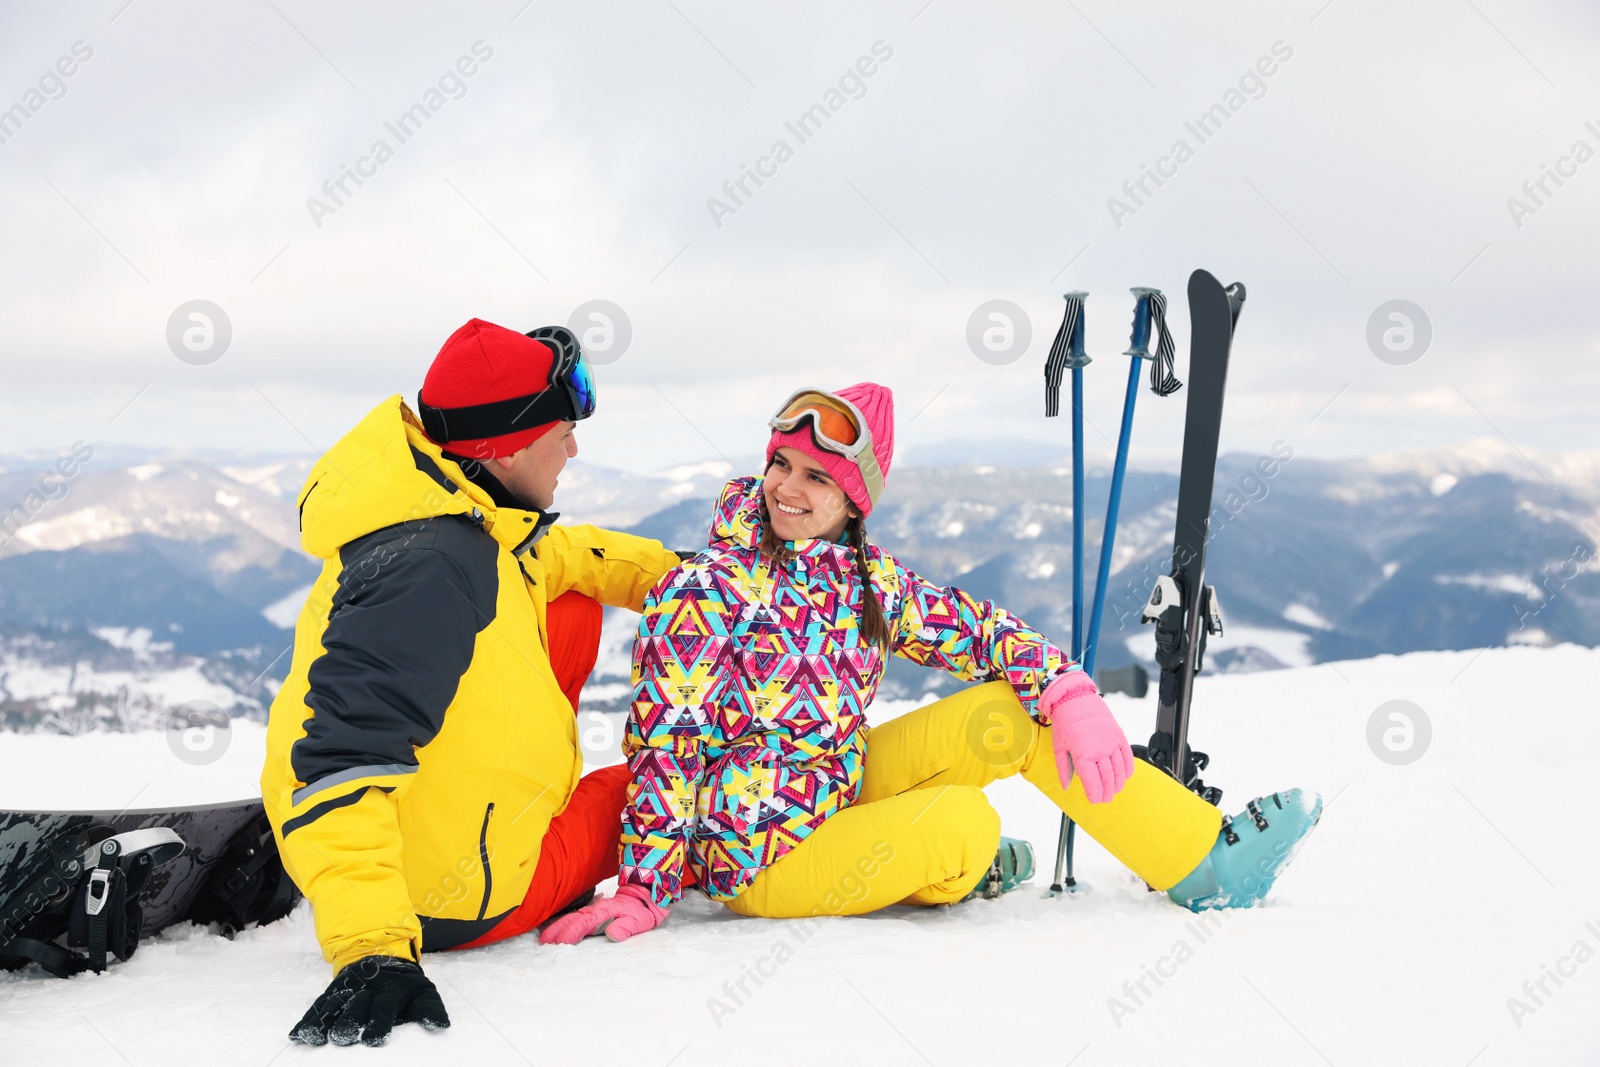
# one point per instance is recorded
(876, 404)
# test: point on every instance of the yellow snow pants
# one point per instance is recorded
(922, 832)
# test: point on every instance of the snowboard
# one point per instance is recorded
(166, 899)
(1182, 606)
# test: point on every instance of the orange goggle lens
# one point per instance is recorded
(833, 420)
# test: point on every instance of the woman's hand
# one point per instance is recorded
(1086, 737)
(630, 912)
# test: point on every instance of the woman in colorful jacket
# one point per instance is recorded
(757, 778)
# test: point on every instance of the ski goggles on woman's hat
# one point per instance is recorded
(569, 395)
(836, 425)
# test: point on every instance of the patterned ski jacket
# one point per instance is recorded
(750, 689)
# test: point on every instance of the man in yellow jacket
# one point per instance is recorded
(423, 776)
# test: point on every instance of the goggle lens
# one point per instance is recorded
(580, 380)
(833, 420)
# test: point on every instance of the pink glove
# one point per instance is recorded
(630, 912)
(1086, 737)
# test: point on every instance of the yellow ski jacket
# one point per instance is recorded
(420, 745)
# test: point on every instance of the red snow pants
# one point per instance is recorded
(580, 849)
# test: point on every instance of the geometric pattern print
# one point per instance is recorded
(750, 691)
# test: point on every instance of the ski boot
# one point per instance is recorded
(1013, 865)
(1251, 851)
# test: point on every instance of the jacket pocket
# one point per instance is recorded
(483, 858)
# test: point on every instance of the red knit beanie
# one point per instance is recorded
(876, 404)
(482, 363)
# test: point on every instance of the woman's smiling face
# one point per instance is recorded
(802, 499)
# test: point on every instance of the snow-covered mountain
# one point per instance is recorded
(1313, 559)
(197, 559)
(178, 548)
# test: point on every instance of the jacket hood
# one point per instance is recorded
(737, 523)
(385, 471)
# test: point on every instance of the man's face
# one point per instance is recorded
(532, 473)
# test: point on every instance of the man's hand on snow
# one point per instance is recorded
(367, 999)
(1086, 737)
(630, 912)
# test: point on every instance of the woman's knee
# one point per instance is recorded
(960, 836)
(965, 817)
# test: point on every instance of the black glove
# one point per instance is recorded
(367, 999)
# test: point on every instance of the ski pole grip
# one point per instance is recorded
(1076, 355)
(1139, 347)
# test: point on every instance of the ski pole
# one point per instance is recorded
(1077, 359)
(1149, 305)
(1068, 352)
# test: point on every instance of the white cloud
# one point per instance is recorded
(1376, 166)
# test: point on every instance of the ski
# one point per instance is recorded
(1184, 609)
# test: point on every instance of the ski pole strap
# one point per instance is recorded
(1163, 382)
(1066, 351)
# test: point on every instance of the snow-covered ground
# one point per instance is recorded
(1444, 912)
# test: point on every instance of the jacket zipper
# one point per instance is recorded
(483, 856)
(306, 500)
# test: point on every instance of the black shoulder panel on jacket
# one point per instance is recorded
(411, 601)
(427, 466)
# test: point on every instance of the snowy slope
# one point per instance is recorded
(1425, 899)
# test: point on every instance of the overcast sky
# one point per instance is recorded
(977, 161)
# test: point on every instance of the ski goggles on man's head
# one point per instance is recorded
(568, 395)
(570, 373)
(836, 425)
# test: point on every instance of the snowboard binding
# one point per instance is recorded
(249, 886)
(84, 886)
